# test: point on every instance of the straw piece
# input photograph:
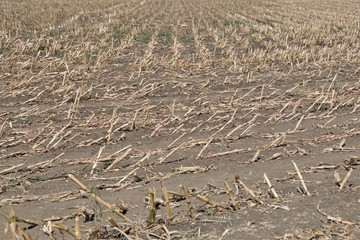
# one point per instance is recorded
(248, 190)
(152, 207)
(301, 178)
(203, 149)
(112, 123)
(188, 201)
(345, 179)
(98, 199)
(298, 123)
(77, 228)
(64, 228)
(270, 186)
(118, 160)
(167, 203)
(210, 202)
(231, 195)
(97, 160)
(163, 159)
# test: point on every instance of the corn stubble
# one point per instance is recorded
(119, 55)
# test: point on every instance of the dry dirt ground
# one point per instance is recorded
(130, 96)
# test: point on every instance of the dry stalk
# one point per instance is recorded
(10, 169)
(123, 233)
(334, 219)
(13, 225)
(177, 139)
(253, 89)
(139, 163)
(177, 129)
(96, 160)
(112, 123)
(314, 103)
(188, 201)
(276, 142)
(240, 126)
(342, 184)
(64, 228)
(34, 98)
(194, 169)
(57, 134)
(247, 129)
(126, 176)
(103, 159)
(118, 159)
(173, 108)
(2, 126)
(152, 207)
(98, 199)
(133, 123)
(167, 202)
(163, 159)
(231, 195)
(189, 111)
(42, 165)
(77, 228)
(271, 187)
(227, 123)
(342, 143)
(301, 178)
(23, 234)
(73, 107)
(203, 149)
(200, 124)
(107, 158)
(159, 126)
(337, 177)
(298, 123)
(210, 202)
(292, 115)
(285, 106)
(248, 190)
(112, 222)
(225, 153)
(255, 157)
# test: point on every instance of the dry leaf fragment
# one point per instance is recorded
(337, 177)
(342, 143)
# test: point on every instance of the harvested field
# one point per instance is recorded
(165, 119)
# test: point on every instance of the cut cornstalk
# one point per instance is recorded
(231, 195)
(167, 203)
(301, 178)
(100, 200)
(188, 201)
(171, 144)
(97, 160)
(342, 184)
(13, 225)
(271, 187)
(112, 123)
(298, 123)
(203, 149)
(248, 190)
(64, 228)
(210, 202)
(152, 207)
(77, 228)
(133, 123)
(163, 159)
(23, 234)
(118, 160)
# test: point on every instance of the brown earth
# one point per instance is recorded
(138, 117)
